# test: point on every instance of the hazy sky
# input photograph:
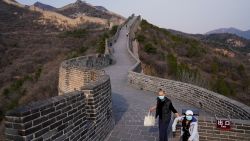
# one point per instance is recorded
(192, 16)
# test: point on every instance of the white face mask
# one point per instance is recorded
(189, 117)
(161, 97)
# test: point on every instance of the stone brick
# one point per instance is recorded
(41, 132)
(47, 111)
(55, 125)
(31, 117)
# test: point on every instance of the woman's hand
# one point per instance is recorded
(177, 115)
(152, 109)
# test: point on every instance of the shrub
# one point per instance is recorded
(145, 25)
(194, 51)
(83, 49)
(38, 73)
(176, 38)
(149, 48)
(113, 30)
(241, 70)
(172, 64)
(101, 45)
(214, 67)
(6, 92)
(222, 87)
(12, 104)
(141, 38)
(78, 33)
(183, 72)
(72, 54)
(16, 85)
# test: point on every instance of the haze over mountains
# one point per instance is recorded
(244, 34)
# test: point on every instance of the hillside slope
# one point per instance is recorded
(187, 58)
(44, 6)
(81, 8)
(31, 52)
(63, 21)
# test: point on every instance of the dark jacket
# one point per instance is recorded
(164, 108)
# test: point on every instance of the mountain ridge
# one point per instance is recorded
(64, 21)
(44, 6)
(231, 30)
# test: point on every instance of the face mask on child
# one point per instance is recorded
(189, 117)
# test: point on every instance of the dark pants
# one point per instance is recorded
(185, 137)
(163, 129)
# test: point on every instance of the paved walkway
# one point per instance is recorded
(130, 105)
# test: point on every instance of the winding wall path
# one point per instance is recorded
(129, 104)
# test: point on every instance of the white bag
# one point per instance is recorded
(149, 120)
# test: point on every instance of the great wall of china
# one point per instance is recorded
(83, 109)
(204, 99)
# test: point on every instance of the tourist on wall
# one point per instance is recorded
(189, 129)
(163, 108)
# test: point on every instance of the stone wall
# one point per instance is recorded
(82, 114)
(82, 111)
(240, 130)
(85, 116)
(77, 72)
(197, 96)
(62, 117)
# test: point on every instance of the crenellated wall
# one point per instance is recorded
(78, 72)
(202, 98)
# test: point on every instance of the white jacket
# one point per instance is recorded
(193, 130)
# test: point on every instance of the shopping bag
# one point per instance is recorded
(149, 120)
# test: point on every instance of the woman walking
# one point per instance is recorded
(163, 108)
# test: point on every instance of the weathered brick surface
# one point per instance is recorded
(77, 72)
(240, 130)
(40, 120)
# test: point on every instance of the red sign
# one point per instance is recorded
(223, 124)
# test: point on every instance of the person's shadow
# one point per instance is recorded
(119, 106)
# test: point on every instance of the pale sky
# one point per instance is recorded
(191, 16)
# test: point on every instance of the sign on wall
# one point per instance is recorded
(223, 124)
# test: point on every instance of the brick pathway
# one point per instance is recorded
(131, 105)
